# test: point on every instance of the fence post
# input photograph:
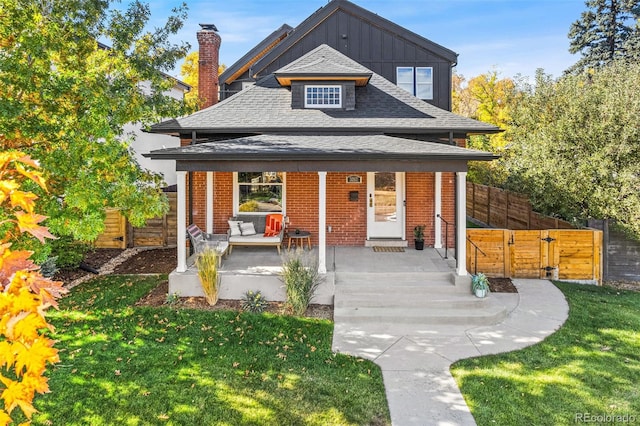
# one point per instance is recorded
(605, 249)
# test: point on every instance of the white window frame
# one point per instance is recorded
(412, 87)
(308, 104)
(236, 197)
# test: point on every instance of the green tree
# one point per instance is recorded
(605, 32)
(576, 145)
(489, 99)
(64, 98)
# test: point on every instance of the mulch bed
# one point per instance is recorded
(157, 261)
(158, 297)
(502, 285)
(93, 258)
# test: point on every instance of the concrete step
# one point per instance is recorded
(361, 316)
(408, 299)
(385, 278)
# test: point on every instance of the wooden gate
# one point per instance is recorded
(158, 232)
(115, 231)
(565, 254)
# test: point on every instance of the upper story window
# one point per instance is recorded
(323, 96)
(418, 81)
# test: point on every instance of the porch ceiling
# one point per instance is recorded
(321, 153)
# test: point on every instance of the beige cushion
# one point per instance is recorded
(247, 228)
(255, 239)
(234, 227)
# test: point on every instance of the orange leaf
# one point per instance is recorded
(28, 222)
(48, 290)
(12, 262)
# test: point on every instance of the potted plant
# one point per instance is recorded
(480, 285)
(418, 234)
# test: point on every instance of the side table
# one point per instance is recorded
(299, 238)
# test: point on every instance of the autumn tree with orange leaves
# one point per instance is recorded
(25, 349)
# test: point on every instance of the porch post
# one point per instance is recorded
(209, 203)
(322, 222)
(438, 211)
(182, 221)
(461, 223)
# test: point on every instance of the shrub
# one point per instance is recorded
(301, 278)
(253, 301)
(68, 251)
(207, 264)
(249, 206)
(49, 267)
(172, 299)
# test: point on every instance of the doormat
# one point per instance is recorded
(380, 249)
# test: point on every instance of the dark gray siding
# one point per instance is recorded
(378, 49)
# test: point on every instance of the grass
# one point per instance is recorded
(129, 365)
(591, 365)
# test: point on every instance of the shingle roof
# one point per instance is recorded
(320, 147)
(381, 106)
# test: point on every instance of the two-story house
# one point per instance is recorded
(344, 121)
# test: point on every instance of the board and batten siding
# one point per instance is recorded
(374, 47)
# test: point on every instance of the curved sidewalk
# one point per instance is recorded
(415, 362)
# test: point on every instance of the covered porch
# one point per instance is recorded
(323, 155)
(258, 268)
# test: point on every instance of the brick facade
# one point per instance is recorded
(347, 219)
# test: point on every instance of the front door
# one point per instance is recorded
(385, 205)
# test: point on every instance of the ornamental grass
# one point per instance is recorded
(207, 264)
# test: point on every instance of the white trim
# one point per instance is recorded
(307, 104)
(461, 223)
(181, 196)
(322, 222)
(236, 196)
(438, 211)
(209, 208)
(395, 229)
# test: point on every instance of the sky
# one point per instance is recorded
(512, 37)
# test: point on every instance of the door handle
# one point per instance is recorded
(370, 200)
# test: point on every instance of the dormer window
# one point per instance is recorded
(323, 96)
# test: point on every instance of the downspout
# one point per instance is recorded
(193, 142)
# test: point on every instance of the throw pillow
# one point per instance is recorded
(234, 227)
(273, 225)
(247, 228)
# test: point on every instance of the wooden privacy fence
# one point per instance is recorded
(564, 254)
(499, 208)
(158, 232)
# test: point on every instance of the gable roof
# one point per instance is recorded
(296, 34)
(381, 107)
(254, 55)
(309, 67)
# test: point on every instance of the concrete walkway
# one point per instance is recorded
(415, 360)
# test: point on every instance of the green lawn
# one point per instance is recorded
(129, 365)
(591, 365)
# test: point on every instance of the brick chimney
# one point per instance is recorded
(209, 48)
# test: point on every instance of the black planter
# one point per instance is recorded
(419, 245)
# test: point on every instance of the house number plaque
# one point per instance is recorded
(354, 179)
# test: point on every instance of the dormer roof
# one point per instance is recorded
(321, 64)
